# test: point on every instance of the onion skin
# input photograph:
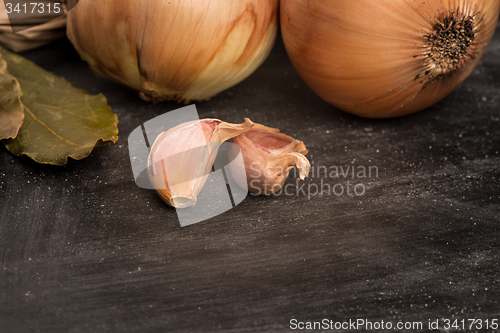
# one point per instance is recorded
(373, 58)
(177, 49)
(35, 30)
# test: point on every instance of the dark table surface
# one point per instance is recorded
(83, 249)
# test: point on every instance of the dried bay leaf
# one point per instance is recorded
(11, 108)
(60, 120)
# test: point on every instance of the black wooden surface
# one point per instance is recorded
(83, 249)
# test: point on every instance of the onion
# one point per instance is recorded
(386, 58)
(177, 49)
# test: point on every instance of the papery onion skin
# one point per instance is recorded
(374, 58)
(174, 50)
(33, 29)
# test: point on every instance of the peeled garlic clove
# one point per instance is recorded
(182, 157)
(269, 156)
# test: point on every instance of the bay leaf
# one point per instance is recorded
(60, 121)
(11, 108)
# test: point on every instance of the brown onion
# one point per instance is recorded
(386, 58)
(177, 49)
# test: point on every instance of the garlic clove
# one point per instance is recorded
(181, 158)
(269, 156)
(22, 30)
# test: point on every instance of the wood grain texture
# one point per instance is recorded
(83, 249)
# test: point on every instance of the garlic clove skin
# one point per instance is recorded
(269, 156)
(181, 158)
(174, 50)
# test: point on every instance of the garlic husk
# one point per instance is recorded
(381, 58)
(181, 158)
(269, 156)
(174, 50)
(33, 30)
